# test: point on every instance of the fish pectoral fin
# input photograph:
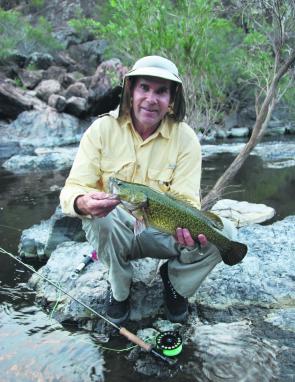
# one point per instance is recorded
(215, 219)
(139, 226)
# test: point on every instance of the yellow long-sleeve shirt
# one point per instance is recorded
(169, 160)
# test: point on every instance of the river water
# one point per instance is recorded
(33, 347)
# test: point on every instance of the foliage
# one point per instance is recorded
(19, 36)
(267, 44)
(189, 32)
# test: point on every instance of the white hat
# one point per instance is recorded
(155, 66)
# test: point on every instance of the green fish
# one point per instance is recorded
(165, 213)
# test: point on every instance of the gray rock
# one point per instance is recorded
(8, 149)
(54, 73)
(78, 89)
(57, 101)
(92, 282)
(230, 121)
(14, 101)
(265, 277)
(30, 78)
(46, 88)
(41, 60)
(46, 128)
(40, 240)
(283, 318)
(243, 213)
(274, 154)
(57, 160)
(239, 132)
(76, 106)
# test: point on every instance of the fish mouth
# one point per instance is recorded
(113, 186)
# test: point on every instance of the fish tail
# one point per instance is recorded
(234, 253)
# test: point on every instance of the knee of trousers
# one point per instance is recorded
(109, 235)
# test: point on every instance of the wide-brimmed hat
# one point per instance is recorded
(159, 67)
(155, 66)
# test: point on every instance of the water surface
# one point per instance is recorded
(34, 347)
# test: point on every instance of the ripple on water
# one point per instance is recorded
(230, 352)
(33, 347)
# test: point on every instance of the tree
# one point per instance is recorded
(271, 23)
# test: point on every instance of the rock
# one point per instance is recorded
(61, 267)
(57, 101)
(290, 128)
(30, 78)
(283, 318)
(58, 158)
(243, 213)
(104, 90)
(8, 149)
(64, 59)
(40, 60)
(88, 54)
(41, 240)
(54, 73)
(76, 106)
(78, 89)
(46, 128)
(265, 277)
(14, 101)
(46, 88)
(230, 121)
(239, 132)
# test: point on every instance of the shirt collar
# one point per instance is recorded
(163, 129)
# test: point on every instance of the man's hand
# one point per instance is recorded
(184, 237)
(98, 204)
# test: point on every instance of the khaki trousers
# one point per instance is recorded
(116, 245)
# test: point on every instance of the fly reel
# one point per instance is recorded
(169, 343)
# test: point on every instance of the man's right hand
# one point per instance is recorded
(96, 204)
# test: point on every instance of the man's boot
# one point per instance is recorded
(116, 311)
(176, 305)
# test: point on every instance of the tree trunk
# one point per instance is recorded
(262, 119)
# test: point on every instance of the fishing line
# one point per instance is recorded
(123, 331)
(9, 227)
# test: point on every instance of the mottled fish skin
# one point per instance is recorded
(166, 213)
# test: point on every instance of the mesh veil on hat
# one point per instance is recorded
(160, 67)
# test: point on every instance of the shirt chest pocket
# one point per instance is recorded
(123, 170)
(160, 179)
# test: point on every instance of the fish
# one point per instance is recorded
(166, 212)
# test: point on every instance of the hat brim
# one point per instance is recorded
(154, 72)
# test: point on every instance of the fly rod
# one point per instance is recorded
(122, 330)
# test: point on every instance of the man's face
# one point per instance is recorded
(151, 98)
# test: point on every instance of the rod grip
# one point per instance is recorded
(136, 340)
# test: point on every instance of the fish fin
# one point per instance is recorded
(139, 226)
(215, 219)
(180, 198)
(234, 254)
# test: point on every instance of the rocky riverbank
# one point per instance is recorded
(241, 315)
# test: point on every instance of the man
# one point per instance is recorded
(143, 141)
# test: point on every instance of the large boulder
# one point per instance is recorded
(105, 89)
(45, 128)
(14, 101)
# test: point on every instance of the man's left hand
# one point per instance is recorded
(184, 237)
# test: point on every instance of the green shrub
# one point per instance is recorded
(189, 32)
(19, 36)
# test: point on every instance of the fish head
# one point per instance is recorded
(128, 193)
